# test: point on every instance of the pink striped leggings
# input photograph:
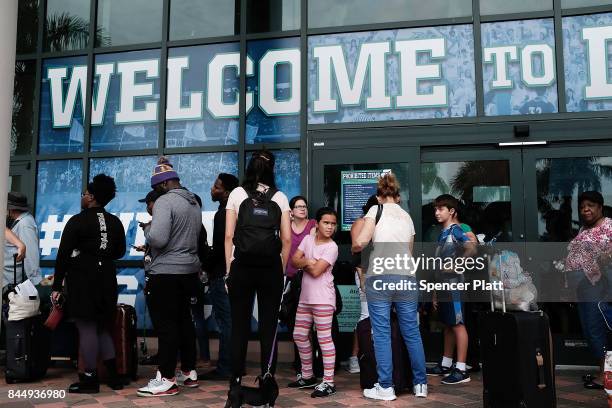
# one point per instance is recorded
(322, 316)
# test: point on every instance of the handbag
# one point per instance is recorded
(56, 315)
(23, 302)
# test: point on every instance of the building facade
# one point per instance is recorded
(504, 104)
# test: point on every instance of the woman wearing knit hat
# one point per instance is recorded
(258, 234)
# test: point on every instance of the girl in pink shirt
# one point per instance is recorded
(316, 255)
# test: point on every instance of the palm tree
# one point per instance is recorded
(430, 180)
(70, 32)
(28, 26)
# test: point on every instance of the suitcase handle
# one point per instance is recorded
(540, 363)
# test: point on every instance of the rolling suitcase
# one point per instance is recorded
(368, 376)
(517, 359)
(27, 346)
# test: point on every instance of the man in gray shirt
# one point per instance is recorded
(172, 236)
(23, 225)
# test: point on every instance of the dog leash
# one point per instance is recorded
(285, 290)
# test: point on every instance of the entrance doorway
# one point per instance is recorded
(520, 195)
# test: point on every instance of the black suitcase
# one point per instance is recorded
(402, 371)
(27, 350)
(517, 360)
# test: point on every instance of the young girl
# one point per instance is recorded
(316, 255)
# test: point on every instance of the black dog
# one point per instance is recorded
(265, 393)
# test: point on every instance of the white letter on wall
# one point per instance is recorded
(214, 100)
(548, 61)
(130, 90)
(411, 73)
(267, 82)
(500, 56)
(174, 109)
(98, 106)
(597, 42)
(372, 56)
(63, 108)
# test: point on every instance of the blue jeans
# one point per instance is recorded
(380, 316)
(222, 313)
(594, 327)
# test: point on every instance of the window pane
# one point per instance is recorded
(128, 22)
(62, 105)
(126, 123)
(204, 18)
(198, 114)
(133, 179)
(272, 15)
(584, 3)
(515, 6)
(275, 117)
(23, 107)
(286, 170)
(58, 197)
(559, 181)
(577, 64)
(66, 25)
(528, 90)
(27, 26)
(484, 188)
(323, 13)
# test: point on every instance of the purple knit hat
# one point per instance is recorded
(163, 172)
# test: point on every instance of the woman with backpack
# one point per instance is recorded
(257, 244)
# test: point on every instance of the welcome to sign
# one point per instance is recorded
(367, 76)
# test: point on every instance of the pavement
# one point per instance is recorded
(570, 393)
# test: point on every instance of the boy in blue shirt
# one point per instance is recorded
(450, 310)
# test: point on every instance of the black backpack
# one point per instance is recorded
(257, 236)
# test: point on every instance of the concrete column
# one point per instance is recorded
(8, 39)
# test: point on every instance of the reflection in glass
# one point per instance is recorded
(332, 188)
(27, 26)
(559, 182)
(128, 133)
(483, 186)
(272, 15)
(58, 194)
(128, 22)
(23, 107)
(584, 3)
(268, 128)
(200, 128)
(204, 18)
(66, 25)
(324, 13)
(62, 130)
(516, 6)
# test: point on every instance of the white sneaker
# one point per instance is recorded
(380, 393)
(159, 387)
(420, 390)
(187, 380)
(353, 366)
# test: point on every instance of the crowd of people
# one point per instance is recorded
(261, 240)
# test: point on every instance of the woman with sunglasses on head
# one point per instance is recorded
(257, 244)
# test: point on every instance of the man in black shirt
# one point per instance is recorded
(215, 267)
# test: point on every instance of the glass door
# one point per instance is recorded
(554, 177)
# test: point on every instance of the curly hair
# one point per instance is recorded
(103, 188)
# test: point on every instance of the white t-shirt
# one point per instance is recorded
(395, 224)
(238, 195)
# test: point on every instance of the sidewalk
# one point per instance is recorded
(570, 393)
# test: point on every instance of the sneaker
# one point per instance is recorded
(189, 379)
(380, 393)
(353, 366)
(159, 387)
(420, 390)
(323, 390)
(303, 382)
(456, 376)
(438, 370)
